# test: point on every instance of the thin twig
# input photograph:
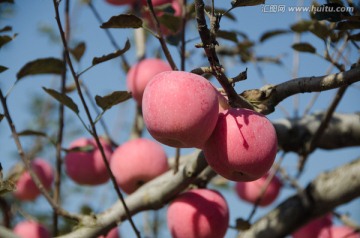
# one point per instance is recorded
(26, 161)
(311, 145)
(92, 124)
(160, 36)
(58, 164)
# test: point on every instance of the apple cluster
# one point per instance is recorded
(185, 110)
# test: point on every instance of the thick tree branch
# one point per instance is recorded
(342, 131)
(321, 196)
(151, 196)
(265, 99)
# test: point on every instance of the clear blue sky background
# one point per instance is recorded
(28, 17)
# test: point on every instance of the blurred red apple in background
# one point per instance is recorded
(251, 191)
(26, 188)
(313, 228)
(85, 164)
(31, 229)
(198, 213)
(338, 232)
(137, 162)
(141, 73)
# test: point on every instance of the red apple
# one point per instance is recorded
(180, 109)
(242, 146)
(121, 2)
(313, 228)
(199, 213)
(113, 233)
(338, 232)
(31, 229)
(26, 188)
(137, 162)
(141, 73)
(251, 191)
(87, 167)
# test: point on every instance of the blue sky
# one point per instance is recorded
(29, 16)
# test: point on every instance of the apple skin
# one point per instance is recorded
(31, 229)
(198, 213)
(251, 191)
(141, 73)
(338, 232)
(180, 109)
(121, 2)
(88, 167)
(113, 233)
(313, 228)
(242, 146)
(26, 189)
(136, 162)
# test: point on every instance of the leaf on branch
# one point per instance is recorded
(7, 186)
(304, 47)
(348, 25)
(42, 66)
(355, 37)
(171, 22)
(228, 35)
(221, 11)
(78, 51)
(332, 15)
(98, 60)
(112, 99)
(87, 148)
(123, 21)
(242, 225)
(267, 35)
(245, 3)
(31, 133)
(3, 68)
(1, 117)
(5, 39)
(6, 28)
(63, 99)
(301, 26)
(321, 30)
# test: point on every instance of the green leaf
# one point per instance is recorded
(78, 51)
(244, 3)
(98, 60)
(63, 98)
(3, 68)
(123, 21)
(355, 37)
(328, 12)
(42, 66)
(32, 133)
(171, 22)
(301, 26)
(6, 28)
(348, 25)
(321, 30)
(269, 34)
(304, 47)
(228, 35)
(5, 39)
(112, 99)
